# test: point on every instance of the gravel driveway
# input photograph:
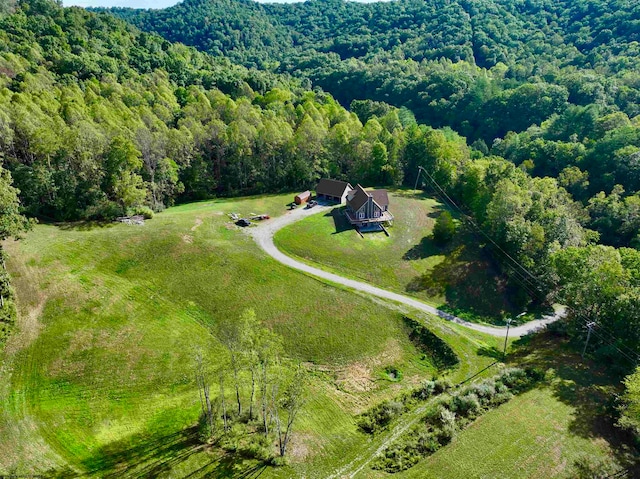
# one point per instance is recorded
(263, 235)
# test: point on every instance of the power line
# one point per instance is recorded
(470, 219)
(520, 277)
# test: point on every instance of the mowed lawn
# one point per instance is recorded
(528, 437)
(99, 377)
(98, 380)
(458, 277)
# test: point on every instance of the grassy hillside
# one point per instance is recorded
(560, 429)
(99, 377)
(457, 277)
(529, 437)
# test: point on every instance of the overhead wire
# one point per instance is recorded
(526, 281)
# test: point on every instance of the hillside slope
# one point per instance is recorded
(453, 63)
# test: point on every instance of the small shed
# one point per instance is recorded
(302, 197)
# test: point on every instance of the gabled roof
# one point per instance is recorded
(357, 198)
(332, 187)
(381, 197)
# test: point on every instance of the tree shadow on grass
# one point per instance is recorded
(588, 387)
(473, 289)
(144, 456)
(491, 352)
(85, 225)
(424, 249)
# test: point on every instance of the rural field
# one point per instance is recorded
(99, 381)
(457, 277)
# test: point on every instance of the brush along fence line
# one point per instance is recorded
(451, 413)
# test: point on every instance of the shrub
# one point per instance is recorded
(448, 426)
(439, 352)
(515, 379)
(427, 441)
(279, 461)
(380, 416)
(467, 405)
(501, 398)
(143, 211)
(486, 389)
(426, 390)
(258, 447)
(399, 457)
(535, 374)
(442, 385)
(103, 210)
(445, 228)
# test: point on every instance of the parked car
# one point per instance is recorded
(243, 222)
(292, 206)
(311, 204)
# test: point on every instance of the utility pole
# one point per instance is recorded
(590, 325)
(417, 177)
(506, 338)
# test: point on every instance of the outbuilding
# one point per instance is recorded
(302, 197)
(334, 191)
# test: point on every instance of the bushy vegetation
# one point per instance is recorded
(438, 351)
(444, 229)
(381, 415)
(452, 413)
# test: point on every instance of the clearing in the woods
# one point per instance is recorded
(457, 277)
(99, 378)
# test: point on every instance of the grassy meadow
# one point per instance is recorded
(98, 380)
(457, 277)
(544, 432)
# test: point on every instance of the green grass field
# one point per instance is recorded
(458, 277)
(98, 380)
(529, 437)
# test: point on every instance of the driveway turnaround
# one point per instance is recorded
(263, 235)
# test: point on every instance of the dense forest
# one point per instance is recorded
(98, 119)
(482, 68)
(552, 86)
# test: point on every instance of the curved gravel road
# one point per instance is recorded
(263, 235)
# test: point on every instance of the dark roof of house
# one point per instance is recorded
(381, 197)
(332, 187)
(357, 198)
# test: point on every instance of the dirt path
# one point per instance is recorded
(263, 235)
(379, 444)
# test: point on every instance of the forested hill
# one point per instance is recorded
(454, 63)
(483, 32)
(99, 119)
